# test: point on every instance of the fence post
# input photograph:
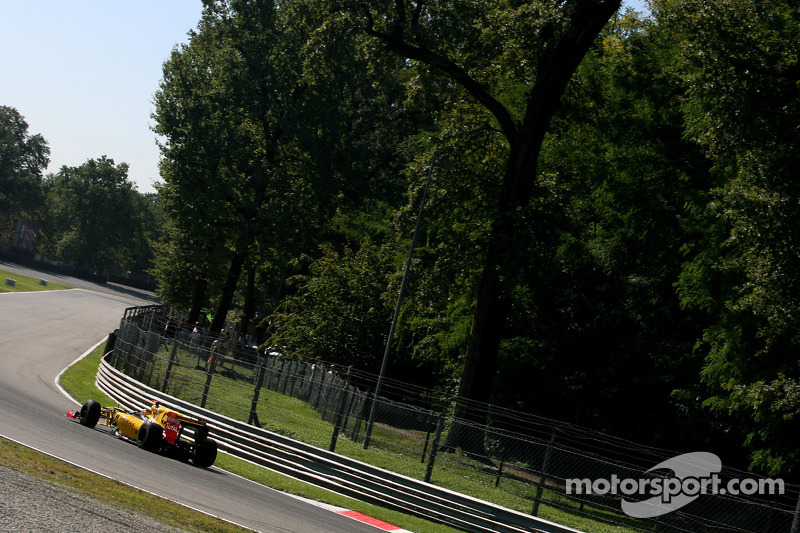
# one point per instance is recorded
(431, 428)
(796, 521)
(351, 398)
(291, 379)
(434, 448)
(368, 429)
(283, 376)
(110, 341)
(543, 475)
(260, 371)
(272, 364)
(210, 372)
(319, 367)
(171, 362)
(338, 417)
(500, 469)
(362, 415)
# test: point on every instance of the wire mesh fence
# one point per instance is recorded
(550, 469)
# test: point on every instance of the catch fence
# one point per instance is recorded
(518, 461)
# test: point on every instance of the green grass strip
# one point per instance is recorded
(27, 284)
(78, 381)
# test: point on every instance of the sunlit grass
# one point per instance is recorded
(79, 380)
(108, 491)
(231, 394)
(27, 284)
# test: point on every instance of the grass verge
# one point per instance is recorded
(107, 491)
(78, 381)
(231, 395)
(27, 284)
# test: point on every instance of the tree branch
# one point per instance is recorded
(396, 43)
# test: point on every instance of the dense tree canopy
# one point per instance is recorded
(23, 160)
(227, 107)
(740, 63)
(610, 234)
(514, 61)
(96, 219)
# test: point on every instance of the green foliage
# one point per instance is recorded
(340, 310)
(97, 219)
(235, 183)
(739, 61)
(623, 230)
(23, 159)
(594, 311)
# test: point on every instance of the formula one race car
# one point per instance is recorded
(156, 429)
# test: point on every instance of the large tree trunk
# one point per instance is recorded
(493, 305)
(228, 290)
(199, 288)
(480, 365)
(249, 300)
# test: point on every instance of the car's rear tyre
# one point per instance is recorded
(90, 413)
(205, 453)
(150, 436)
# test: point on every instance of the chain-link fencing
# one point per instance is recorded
(516, 460)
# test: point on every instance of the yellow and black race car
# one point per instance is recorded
(156, 429)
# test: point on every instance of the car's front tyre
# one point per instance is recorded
(90, 413)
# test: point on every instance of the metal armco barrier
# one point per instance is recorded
(330, 470)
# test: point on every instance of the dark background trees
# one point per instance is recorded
(89, 217)
(23, 160)
(739, 61)
(572, 250)
(95, 217)
(610, 232)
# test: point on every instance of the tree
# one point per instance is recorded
(23, 159)
(258, 152)
(339, 312)
(190, 118)
(740, 63)
(596, 317)
(96, 216)
(515, 61)
(231, 107)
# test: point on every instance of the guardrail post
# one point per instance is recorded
(171, 362)
(543, 476)
(434, 448)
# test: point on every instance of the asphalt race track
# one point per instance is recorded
(42, 333)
